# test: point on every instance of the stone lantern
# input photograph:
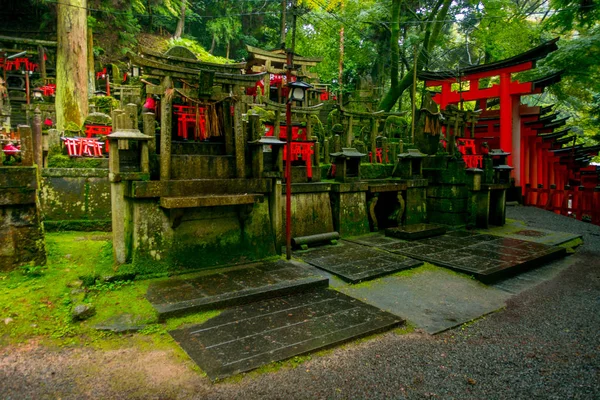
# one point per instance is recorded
(128, 153)
(410, 164)
(347, 164)
(501, 169)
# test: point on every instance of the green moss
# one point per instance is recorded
(198, 50)
(105, 104)
(405, 329)
(64, 161)
(78, 225)
(571, 245)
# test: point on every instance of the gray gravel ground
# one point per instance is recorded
(544, 345)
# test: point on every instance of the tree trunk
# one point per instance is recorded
(228, 47)
(180, 23)
(71, 63)
(435, 22)
(214, 42)
(283, 16)
(341, 61)
(90, 64)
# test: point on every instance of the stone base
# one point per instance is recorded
(252, 335)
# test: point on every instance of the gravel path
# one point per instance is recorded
(545, 345)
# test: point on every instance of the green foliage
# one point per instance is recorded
(32, 271)
(198, 50)
(105, 104)
(64, 161)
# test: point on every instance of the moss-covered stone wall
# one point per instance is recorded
(76, 196)
(21, 231)
(196, 238)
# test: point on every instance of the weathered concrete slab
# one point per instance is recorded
(355, 263)
(432, 298)
(231, 287)
(487, 257)
(249, 336)
(518, 230)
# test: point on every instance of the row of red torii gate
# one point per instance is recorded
(551, 170)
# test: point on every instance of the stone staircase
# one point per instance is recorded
(277, 310)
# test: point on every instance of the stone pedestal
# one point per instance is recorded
(349, 202)
(21, 233)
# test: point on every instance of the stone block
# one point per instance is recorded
(416, 206)
(350, 213)
(445, 218)
(453, 205)
(18, 177)
(311, 213)
(448, 191)
(17, 196)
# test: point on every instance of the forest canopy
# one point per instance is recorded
(378, 41)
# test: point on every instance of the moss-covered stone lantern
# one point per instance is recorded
(501, 169)
(128, 154)
(347, 164)
(410, 164)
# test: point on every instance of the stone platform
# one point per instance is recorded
(249, 336)
(232, 286)
(487, 257)
(356, 263)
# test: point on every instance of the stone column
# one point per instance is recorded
(149, 125)
(239, 141)
(373, 139)
(132, 113)
(257, 152)
(276, 213)
(25, 134)
(166, 117)
(37, 138)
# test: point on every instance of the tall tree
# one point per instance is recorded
(433, 25)
(71, 63)
(180, 22)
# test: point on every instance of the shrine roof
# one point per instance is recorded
(532, 55)
(554, 135)
(543, 120)
(259, 56)
(190, 63)
(564, 140)
(553, 124)
(546, 81)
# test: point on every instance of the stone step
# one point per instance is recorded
(232, 286)
(355, 262)
(251, 335)
(486, 257)
(211, 200)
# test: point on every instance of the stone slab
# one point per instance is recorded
(518, 230)
(252, 282)
(209, 200)
(123, 323)
(432, 298)
(415, 231)
(248, 336)
(486, 257)
(356, 263)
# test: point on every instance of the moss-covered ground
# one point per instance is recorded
(36, 302)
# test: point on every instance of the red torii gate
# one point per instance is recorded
(507, 90)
